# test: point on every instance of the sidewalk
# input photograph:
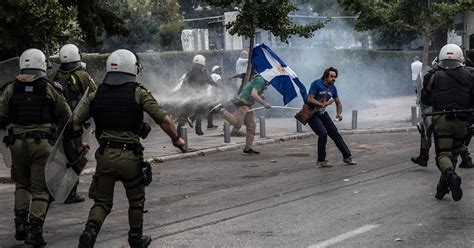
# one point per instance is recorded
(383, 115)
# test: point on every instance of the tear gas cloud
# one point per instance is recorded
(363, 74)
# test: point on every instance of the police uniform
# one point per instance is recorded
(74, 81)
(74, 84)
(118, 113)
(447, 90)
(195, 83)
(33, 106)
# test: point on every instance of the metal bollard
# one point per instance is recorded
(414, 116)
(226, 132)
(354, 119)
(299, 127)
(184, 135)
(263, 132)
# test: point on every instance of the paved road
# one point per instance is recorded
(280, 199)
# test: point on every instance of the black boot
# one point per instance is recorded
(442, 187)
(35, 233)
(89, 235)
(199, 131)
(21, 224)
(137, 240)
(74, 197)
(466, 161)
(422, 160)
(454, 184)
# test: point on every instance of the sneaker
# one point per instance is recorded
(454, 183)
(323, 164)
(249, 151)
(216, 109)
(349, 161)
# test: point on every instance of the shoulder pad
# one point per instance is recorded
(139, 85)
(57, 86)
(4, 85)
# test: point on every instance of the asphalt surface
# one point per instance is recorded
(281, 199)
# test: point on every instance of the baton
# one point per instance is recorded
(276, 107)
(449, 112)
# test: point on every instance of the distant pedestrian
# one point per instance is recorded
(416, 67)
(323, 93)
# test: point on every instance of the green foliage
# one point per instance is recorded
(40, 24)
(393, 17)
(94, 17)
(169, 36)
(151, 25)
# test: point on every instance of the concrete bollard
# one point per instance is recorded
(414, 116)
(184, 135)
(263, 132)
(299, 127)
(226, 132)
(354, 120)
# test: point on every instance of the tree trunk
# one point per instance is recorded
(426, 44)
(249, 64)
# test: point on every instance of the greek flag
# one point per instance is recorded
(275, 71)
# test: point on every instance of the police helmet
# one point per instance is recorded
(215, 68)
(33, 59)
(69, 53)
(452, 52)
(125, 61)
(199, 59)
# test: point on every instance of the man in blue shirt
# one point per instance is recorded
(323, 93)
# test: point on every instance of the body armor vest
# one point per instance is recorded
(451, 89)
(29, 104)
(114, 108)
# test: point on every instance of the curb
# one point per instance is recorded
(274, 140)
(232, 147)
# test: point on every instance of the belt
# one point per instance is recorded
(120, 145)
(33, 135)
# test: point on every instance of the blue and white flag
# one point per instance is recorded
(275, 71)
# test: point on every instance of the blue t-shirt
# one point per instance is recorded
(319, 89)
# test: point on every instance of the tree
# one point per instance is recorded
(266, 15)
(47, 24)
(402, 17)
(94, 17)
(26, 23)
(151, 24)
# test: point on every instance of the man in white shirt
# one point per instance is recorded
(416, 67)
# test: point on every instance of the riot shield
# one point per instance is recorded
(64, 163)
(89, 137)
(7, 156)
(425, 120)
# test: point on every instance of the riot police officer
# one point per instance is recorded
(448, 88)
(32, 105)
(117, 109)
(194, 88)
(74, 80)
